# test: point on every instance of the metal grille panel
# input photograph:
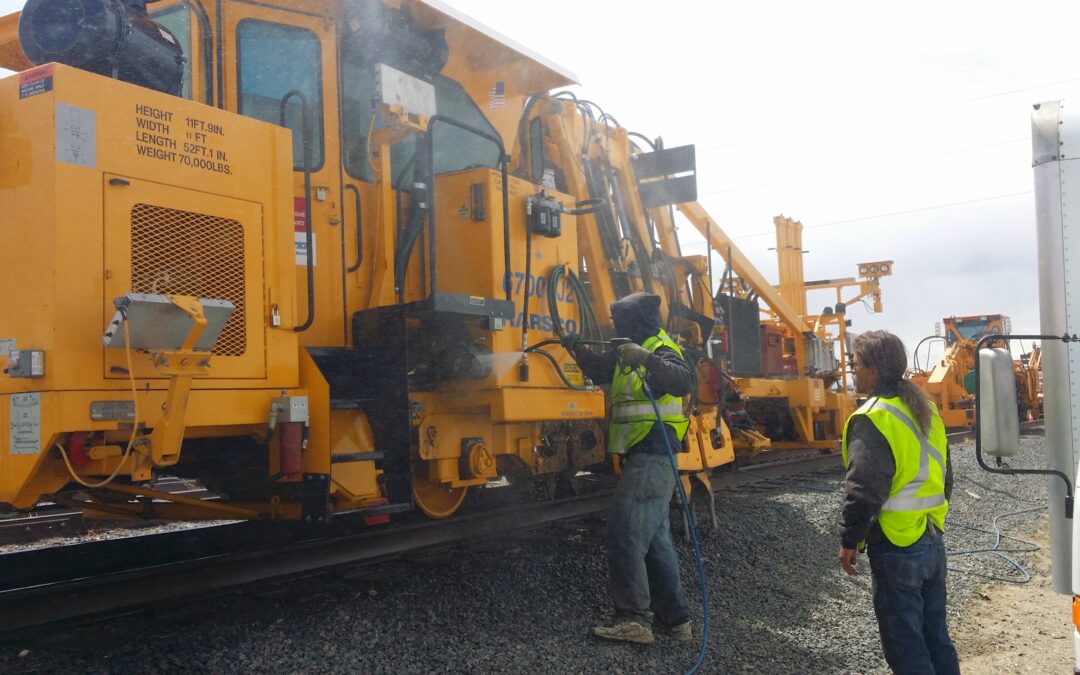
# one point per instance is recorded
(185, 253)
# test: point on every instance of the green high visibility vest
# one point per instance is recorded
(918, 486)
(632, 414)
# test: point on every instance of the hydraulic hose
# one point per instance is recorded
(693, 532)
(413, 229)
(523, 369)
(134, 422)
(589, 326)
(997, 550)
(536, 349)
(586, 207)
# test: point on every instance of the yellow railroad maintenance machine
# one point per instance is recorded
(317, 255)
(950, 381)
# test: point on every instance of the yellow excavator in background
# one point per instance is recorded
(950, 382)
(1029, 383)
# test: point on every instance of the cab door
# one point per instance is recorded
(280, 60)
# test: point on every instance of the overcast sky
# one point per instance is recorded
(896, 131)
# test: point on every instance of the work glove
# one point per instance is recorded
(631, 354)
(570, 341)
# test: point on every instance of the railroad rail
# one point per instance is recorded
(82, 581)
(57, 519)
(1026, 428)
(86, 581)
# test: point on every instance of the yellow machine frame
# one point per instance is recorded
(392, 332)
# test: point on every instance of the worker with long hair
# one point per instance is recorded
(898, 487)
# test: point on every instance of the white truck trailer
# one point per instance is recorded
(1055, 135)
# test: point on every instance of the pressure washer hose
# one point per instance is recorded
(693, 532)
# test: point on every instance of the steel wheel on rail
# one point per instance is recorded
(434, 498)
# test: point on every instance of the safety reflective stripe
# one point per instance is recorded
(625, 411)
(621, 434)
(634, 374)
(905, 499)
(632, 414)
(867, 406)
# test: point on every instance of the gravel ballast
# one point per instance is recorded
(777, 599)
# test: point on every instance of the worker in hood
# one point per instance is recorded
(644, 569)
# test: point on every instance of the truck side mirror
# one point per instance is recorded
(999, 422)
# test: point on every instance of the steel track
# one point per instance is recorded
(44, 522)
(84, 581)
(1026, 428)
(55, 519)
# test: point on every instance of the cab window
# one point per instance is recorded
(455, 149)
(177, 21)
(358, 91)
(272, 61)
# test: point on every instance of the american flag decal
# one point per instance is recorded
(497, 95)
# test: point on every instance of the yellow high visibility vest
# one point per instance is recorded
(632, 414)
(918, 486)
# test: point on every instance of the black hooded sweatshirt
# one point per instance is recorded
(637, 317)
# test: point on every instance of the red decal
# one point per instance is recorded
(300, 214)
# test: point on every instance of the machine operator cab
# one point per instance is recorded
(334, 57)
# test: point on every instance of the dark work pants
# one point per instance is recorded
(641, 558)
(909, 600)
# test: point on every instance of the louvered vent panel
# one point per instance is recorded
(185, 253)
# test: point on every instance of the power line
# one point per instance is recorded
(894, 213)
(752, 141)
(860, 167)
(1018, 91)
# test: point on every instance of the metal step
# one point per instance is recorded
(348, 457)
(349, 403)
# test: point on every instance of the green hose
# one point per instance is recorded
(589, 326)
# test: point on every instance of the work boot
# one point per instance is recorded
(627, 631)
(682, 632)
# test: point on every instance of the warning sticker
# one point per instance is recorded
(7, 345)
(300, 226)
(299, 214)
(36, 81)
(25, 424)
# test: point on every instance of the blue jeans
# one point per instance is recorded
(641, 558)
(909, 599)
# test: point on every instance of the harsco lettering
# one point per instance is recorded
(543, 322)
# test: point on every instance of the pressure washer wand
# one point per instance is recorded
(615, 344)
